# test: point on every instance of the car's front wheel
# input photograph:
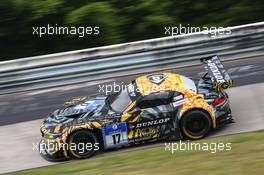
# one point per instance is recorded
(82, 144)
(195, 124)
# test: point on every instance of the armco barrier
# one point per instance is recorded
(129, 58)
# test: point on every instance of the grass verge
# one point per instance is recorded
(245, 157)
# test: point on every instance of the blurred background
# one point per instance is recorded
(119, 21)
(31, 89)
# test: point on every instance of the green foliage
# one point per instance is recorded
(119, 21)
(100, 14)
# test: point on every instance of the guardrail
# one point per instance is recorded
(129, 58)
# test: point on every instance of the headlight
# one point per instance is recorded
(51, 135)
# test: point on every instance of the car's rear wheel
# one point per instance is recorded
(82, 144)
(195, 124)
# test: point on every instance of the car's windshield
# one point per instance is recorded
(121, 101)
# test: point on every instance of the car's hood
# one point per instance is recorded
(85, 108)
(81, 107)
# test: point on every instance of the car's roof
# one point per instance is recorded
(164, 81)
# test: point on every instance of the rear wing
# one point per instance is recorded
(217, 72)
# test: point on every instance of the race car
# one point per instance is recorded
(159, 106)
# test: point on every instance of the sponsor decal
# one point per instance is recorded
(216, 72)
(157, 79)
(115, 135)
(131, 90)
(139, 139)
(114, 127)
(152, 123)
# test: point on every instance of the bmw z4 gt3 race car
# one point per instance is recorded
(159, 106)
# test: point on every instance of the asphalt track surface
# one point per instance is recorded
(34, 105)
(21, 113)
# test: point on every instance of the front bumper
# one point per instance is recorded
(50, 153)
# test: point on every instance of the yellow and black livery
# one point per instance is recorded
(158, 106)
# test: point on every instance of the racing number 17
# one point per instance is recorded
(116, 138)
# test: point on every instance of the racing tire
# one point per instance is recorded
(195, 124)
(85, 144)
